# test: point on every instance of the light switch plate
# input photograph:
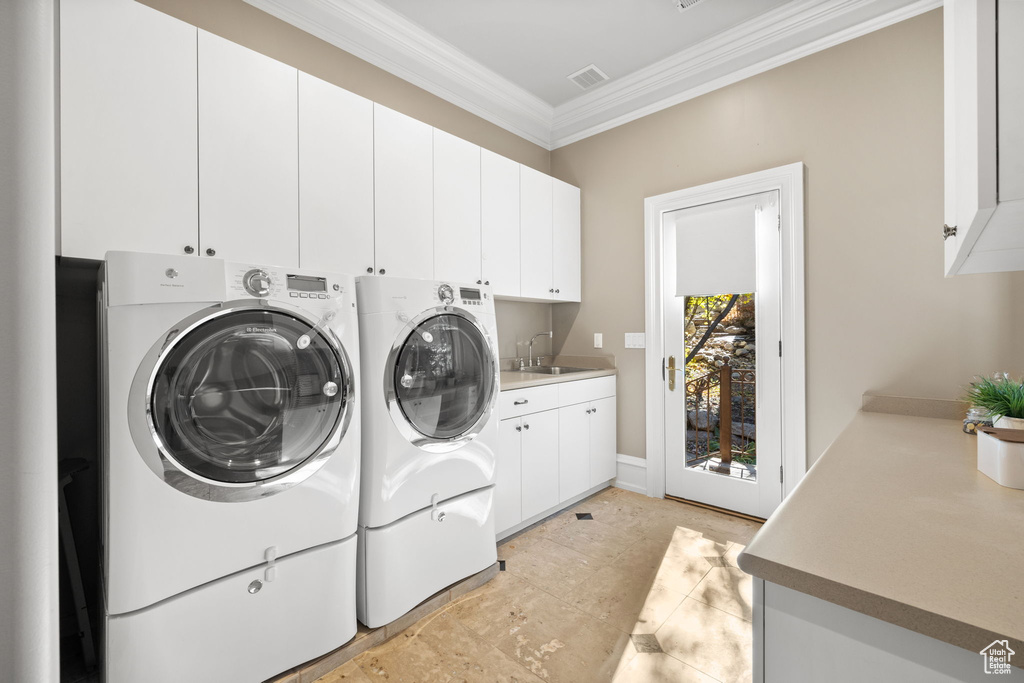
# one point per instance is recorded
(598, 340)
(636, 340)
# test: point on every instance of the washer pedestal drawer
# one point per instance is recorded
(248, 626)
(404, 563)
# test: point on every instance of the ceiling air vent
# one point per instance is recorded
(588, 77)
(683, 4)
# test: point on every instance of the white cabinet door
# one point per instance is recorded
(128, 130)
(603, 449)
(565, 240)
(508, 482)
(403, 196)
(499, 223)
(335, 178)
(456, 209)
(573, 450)
(248, 154)
(535, 234)
(540, 462)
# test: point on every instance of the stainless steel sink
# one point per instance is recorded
(553, 370)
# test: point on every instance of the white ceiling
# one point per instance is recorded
(537, 43)
(507, 60)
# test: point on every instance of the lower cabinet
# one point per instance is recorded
(556, 454)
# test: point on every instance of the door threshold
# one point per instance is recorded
(731, 513)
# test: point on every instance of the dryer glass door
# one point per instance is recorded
(444, 377)
(248, 395)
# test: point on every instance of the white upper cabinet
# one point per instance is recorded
(335, 178)
(535, 216)
(248, 154)
(456, 209)
(565, 241)
(499, 217)
(984, 119)
(403, 197)
(128, 132)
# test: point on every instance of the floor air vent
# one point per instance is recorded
(588, 77)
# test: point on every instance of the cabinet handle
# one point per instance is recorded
(557, 291)
(479, 282)
(487, 282)
(588, 411)
(948, 231)
(382, 271)
(526, 426)
(593, 410)
(519, 428)
(521, 402)
(189, 249)
(210, 251)
(370, 270)
(551, 291)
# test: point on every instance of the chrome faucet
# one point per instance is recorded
(539, 334)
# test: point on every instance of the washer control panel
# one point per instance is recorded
(274, 283)
(463, 296)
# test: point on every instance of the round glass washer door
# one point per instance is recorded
(443, 379)
(247, 397)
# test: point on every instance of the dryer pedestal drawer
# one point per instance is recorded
(245, 627)
(404, 563)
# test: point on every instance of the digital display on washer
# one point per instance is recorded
(306, 283)
(469, 294)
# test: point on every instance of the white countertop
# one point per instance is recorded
(895, 521)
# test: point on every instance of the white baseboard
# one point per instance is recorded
(631, 473)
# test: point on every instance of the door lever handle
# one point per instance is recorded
(671, 373)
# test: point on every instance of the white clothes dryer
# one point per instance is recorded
(231, 466)
(429, 392)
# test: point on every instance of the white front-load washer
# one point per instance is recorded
(231, 467)
(429, 389)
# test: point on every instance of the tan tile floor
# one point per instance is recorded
(646, 591)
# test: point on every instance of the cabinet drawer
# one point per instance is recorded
(584, 390)
(516, 402)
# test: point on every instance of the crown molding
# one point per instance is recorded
(780, 36)
(379, 35)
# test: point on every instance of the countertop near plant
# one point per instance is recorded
(895, 521)
(598, 366)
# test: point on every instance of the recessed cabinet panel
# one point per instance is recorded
(499, 217)
(508, 483)
(573, 450)
(128, 130)
(535, 234)
(540, 462)
(403, 199)
(335, 178)
(603, 451)
(565, 241)
(248, 154)
(456, 209)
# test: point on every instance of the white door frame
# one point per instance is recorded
(789, 181)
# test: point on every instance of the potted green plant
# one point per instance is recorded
(1002, 397)
(1001, 454)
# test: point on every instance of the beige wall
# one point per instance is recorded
(257, 30)
(518, 321)
(866, 119)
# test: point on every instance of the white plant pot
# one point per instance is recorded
(1002, 461)
(1009, 423)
